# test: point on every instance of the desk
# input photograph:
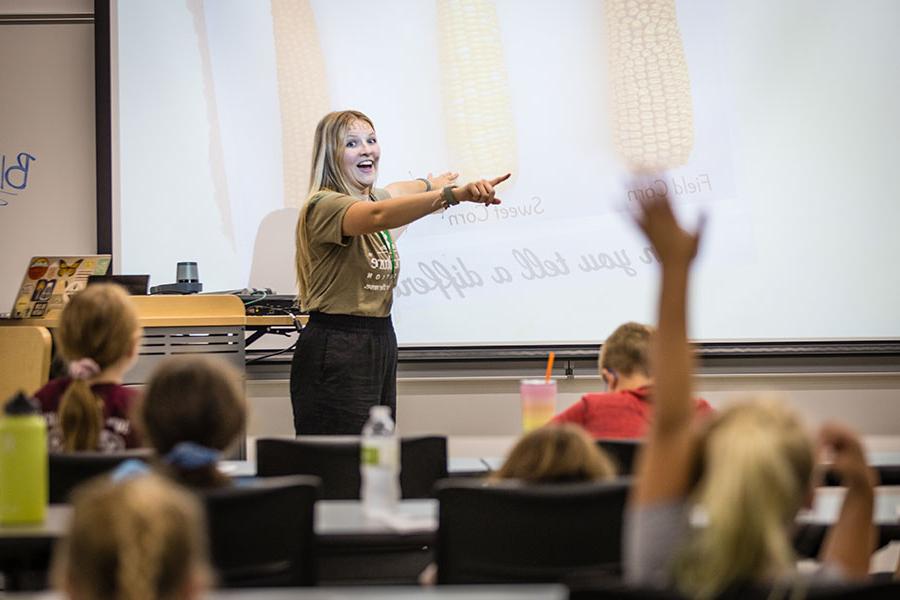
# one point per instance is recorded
(353, 548)
(887, 464)
(191, 324)
(456, 467)
(458, 592)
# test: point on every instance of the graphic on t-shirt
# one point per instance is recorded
(112, 436)
(384, 264)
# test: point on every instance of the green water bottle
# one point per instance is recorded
(23, 462)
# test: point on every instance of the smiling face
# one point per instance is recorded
(360, 154)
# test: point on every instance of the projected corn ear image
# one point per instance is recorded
(475, 89)
(302, 91)
(216, 150)
(652, 112)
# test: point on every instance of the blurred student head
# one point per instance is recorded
(193, 409)
(556, 454)
(756, 472)
(138, 539)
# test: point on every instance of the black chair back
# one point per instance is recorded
(423, 461)
(68, 470)
(887, 475)
(261, 532)
(508, 531)
(623, 453)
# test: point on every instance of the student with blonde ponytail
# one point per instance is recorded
(98, 337)
(137, 539)
(748, 470)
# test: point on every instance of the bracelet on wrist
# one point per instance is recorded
(447, 196)
(428, 186)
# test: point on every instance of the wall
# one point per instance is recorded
(47, 101)
(487, 406)
(47, 199)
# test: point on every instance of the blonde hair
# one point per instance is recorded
(627, 350)
(193, 399)
(139, 539)
(99, 323)
(326, 174)
(756, 470)
(555, 454)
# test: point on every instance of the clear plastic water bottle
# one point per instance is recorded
(379, 463)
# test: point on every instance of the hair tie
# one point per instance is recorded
(188, 455)
(129, 469)
(83, 368)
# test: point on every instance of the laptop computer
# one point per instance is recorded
(135, 285)
(50, 281)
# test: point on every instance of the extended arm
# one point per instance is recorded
(369, 217)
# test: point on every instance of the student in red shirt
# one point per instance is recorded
(624, 410)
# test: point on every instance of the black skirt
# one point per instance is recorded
(343, 365)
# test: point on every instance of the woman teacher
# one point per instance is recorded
(347, 266)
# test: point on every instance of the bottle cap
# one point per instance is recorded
(379, 410)
(20, 404)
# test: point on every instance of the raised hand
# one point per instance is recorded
(843, 447)
(671, 242)
(481, 191)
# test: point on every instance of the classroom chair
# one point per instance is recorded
(509, 531)
(24, 359)
(623, 453)
(69, 469)
(261, 532)
(423, 461)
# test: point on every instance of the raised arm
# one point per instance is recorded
(369, 217)
(851, 540)
(668, 455)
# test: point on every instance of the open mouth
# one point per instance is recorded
(366, 166)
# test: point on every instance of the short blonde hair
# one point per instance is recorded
(555, 454)
(756, 470)
(139, 539)
(627, 349)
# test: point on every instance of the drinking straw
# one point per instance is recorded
(549, 367)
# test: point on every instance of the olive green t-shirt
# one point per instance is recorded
(348, 275)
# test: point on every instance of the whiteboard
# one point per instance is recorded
(47, 196)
